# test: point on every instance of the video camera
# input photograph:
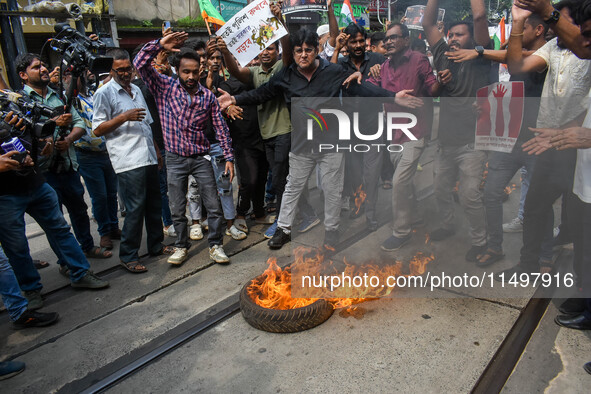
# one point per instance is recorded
(31, 112)
(80, 51)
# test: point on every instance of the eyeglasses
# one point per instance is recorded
(299, 51)
(126, 70)
(393, 37)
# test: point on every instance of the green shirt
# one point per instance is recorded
(53, 100)
(274, 117)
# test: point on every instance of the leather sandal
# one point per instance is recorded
(134, 266)
(98, 253)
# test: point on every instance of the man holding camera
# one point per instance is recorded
(23, 189)
(61, 168)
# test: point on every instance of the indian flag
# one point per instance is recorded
(500, 36)
(209, 13)
(347, 12)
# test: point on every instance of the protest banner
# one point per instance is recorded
(291, 6)
(414, 16)
(500, 116)
(251, 30)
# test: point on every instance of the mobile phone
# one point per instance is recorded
(166, 24)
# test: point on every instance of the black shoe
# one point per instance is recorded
(8, 369)
(587, 367)
(441, 233)
(394, 243)
(279, 239)
(579, 322)
(35, 319)
(475, 251)
(572, 306)
(90, 281)
(372, 226)
(331, 239)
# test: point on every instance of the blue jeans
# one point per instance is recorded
(70, 193)
(42, 204)
(166, 215)
(101, 182)
(140, 192)
(179, 168)
(13, 300)
(219, 167)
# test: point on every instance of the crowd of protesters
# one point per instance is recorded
(174, 123)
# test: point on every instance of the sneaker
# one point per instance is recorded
(217, 255)
(267, 219)
(196, 232)
(90, 281)
(169, 231)
(31, 318)
(474, 252)
(235, 233)
(514, 226)
(241, 225)
(308, 223)
(441, 233)
(34, 299)
(179, 256)
(271, 230)
(331, 239)
(8, 369)
(394, 243)
(279, 239)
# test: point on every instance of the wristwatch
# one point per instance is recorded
(480, 50)
(554, 17)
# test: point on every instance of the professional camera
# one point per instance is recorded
(31, 112)
(79, 51)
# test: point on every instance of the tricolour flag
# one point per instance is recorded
(209, 13)
(500, 36)
(347, 13)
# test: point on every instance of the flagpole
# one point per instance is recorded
(208, 29)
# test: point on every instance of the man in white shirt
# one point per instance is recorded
(120, 116)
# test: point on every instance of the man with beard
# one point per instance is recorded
(120, 116)
(362, 170)
(457, 158)
(405, 69)
(185, 108)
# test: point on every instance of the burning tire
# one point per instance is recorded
(283, 321)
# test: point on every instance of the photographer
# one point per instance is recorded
(23, 189)
(60, 169)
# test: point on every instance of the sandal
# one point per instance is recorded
(39, 264)
(166, 249)
(546, 266)
(98, 253)
(489, 257)
(241, 225)
(134, 266)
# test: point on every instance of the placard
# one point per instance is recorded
(414, 16)
(251, 30)
(291, 6)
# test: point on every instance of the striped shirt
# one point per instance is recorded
(184, 118)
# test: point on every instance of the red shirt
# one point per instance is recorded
(413, 71)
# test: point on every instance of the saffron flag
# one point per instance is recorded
(210, 14)
(347, 13)
(500, 36)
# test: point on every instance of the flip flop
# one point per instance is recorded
(489, 257)
(134, 267)
(98, 253)
(39, 264)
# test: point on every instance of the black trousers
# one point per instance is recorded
(252, 168)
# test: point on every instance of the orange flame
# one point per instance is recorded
(510, 189)
(273, 288)
(360, 196)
